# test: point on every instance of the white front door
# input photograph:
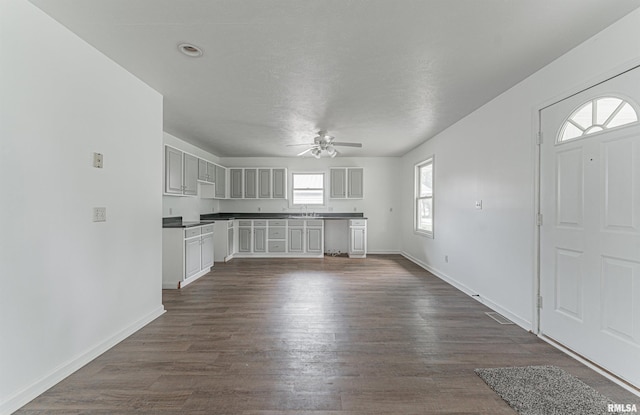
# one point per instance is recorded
(590, 233)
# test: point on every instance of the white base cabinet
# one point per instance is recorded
(187, 254)
(293, 238)
(223, 235)
(357, 238)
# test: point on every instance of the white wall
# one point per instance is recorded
(71, 288)
(490, 155)
(189, 207)
(381, 193)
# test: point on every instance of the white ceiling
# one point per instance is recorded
(387, 73)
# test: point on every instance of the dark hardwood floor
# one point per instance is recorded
(310, 336)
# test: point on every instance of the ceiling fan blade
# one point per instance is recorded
(300, 144)
(347, 144)
(306, 151)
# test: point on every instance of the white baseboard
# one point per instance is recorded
(383, 252)
(527, 325)
(21, 398)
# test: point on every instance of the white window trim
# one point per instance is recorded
(324, 190)
(416, 196)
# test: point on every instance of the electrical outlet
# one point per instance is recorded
(99, 214)
(330, 208)
(479, 204)
(354, 209)
(259, 209)
(98, 160)
(446, 258)
(390, 209)
(170, 211)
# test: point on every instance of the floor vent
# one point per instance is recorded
(499, 317)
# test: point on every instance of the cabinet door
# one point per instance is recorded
(190, 178)
(314, 240)
(236, 183)
(206, 251)
(338, 182)
(259, 240)
(192, 257)
(211, 172)
(355, 183)
(264, 183)
(279, 183)
(173, 170)
(221, 182)
(296, 240)
(230, 247)
(202, 170)
(358, 241)
(250, 183)
(244, 239)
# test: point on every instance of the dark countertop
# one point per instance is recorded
(176, 222)
(208, 218)
(273, 215)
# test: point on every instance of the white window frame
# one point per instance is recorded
(324, 189)
(428, 161)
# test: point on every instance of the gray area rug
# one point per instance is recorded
(545, 390)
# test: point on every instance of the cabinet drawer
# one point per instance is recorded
(276, 246)
(277, 233)
(315, 223)
(259, 223)
(296, 222)
(358, 222)
(277, 223)
(207, 229)
(191, 232)
(244, 223)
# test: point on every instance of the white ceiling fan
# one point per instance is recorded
(324, 142)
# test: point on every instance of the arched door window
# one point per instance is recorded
(597, 115)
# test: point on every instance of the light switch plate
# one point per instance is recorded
(99, 214)
(98, 159)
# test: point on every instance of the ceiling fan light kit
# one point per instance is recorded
(323, 143)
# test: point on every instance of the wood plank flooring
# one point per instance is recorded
(332, 336)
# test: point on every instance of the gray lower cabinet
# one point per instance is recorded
(279, 190)
(296, 240)
(187, 254)
(357, 238)
(264, 183)
(235, 181)
(244, 239)
(192, 254)
(260, 240)
(315, 241)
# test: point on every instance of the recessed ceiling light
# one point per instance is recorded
(190, 50)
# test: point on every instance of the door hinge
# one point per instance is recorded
(539, 139)
(539, 219)
(540, 301)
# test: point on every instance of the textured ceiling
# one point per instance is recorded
(387, 73)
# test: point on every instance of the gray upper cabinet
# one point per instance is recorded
(347, 183)
(279, 190)
(202, 170)
(190, 175)
(250, 183)
(355, 183)
(173, 170)
(221, 182)
(235, 179)
(338, 183)
(264, 183)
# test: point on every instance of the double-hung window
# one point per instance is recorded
(307, 189)
(424, 197)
